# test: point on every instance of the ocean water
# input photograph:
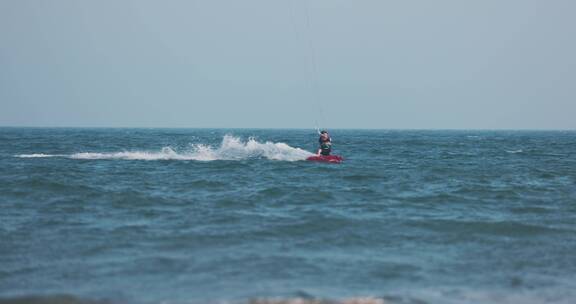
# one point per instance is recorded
(238, 216)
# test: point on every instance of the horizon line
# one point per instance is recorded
(288, 128)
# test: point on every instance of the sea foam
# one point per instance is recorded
(231, 148)
(38, 155)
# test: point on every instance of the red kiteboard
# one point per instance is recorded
(326, 158)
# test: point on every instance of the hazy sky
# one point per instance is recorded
(486, 64)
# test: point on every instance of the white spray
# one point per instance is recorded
(231, 148)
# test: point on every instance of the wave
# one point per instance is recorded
(231, 148)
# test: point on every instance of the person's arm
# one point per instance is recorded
(318, 153)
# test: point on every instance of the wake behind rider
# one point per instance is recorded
(325, 144)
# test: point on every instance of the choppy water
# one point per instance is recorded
(195, 216)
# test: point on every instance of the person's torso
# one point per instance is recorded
(325, 148)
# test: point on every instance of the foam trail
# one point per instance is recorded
(39, 155)
(231, 148)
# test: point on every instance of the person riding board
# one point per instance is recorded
(325, 144)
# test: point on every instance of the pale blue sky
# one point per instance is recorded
(486, 64)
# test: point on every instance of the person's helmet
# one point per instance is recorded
(323, 132)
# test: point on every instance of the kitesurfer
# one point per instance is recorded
(325, 144)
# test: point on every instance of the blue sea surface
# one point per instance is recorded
(215, 215)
